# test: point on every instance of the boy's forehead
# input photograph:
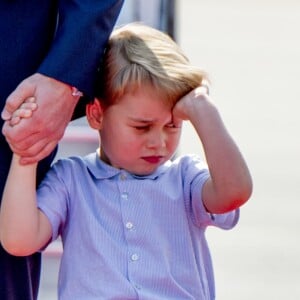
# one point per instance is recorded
(148, 111)
(145, 100)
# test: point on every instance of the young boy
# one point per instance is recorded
(133, 221)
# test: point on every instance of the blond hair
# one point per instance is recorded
(136, 55)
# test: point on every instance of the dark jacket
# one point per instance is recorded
(61, 39)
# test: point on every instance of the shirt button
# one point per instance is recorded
(134, 257)
(124, 196)
(123, 176)
(129, 225)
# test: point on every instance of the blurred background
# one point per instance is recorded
(251, 49)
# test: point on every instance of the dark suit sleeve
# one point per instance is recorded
(82, 31)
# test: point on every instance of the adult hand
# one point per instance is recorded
(34, 138)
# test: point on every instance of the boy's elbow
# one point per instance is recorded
(232, 199)
(239, 197)
(239, 200)
(229, 196)
(15, 248)
(246, 191)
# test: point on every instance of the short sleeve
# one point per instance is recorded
(196, 174)
(52, 198)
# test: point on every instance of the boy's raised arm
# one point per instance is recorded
(24, 229)
(230, 183)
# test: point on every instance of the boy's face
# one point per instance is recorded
(137, 133)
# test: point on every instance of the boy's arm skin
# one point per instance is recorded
(24, 229)
(230, 183)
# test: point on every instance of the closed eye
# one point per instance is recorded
(172, 126)
(142, 128)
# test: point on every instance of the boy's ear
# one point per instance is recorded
(94, 114)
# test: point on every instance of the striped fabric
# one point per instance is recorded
(131, 237)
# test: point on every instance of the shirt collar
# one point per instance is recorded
(102, 170)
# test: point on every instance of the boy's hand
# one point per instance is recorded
(23, 112)
(185, 106)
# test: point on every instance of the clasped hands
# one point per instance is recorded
(34, 136)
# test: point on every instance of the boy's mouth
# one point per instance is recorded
(152, 159)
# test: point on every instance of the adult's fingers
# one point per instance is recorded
(23, 91)
(44, 152)
(15, 134)
(41, 146)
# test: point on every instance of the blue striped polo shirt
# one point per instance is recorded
(131, 237)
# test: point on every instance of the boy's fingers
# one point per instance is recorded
(22, 113)
(30, 100)
(29, 106)
(200, 91)
(177, 122)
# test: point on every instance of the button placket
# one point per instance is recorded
(129, 215)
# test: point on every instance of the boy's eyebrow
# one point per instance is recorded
(139, 120)
(145, 121)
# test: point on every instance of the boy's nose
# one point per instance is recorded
(157, 140)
